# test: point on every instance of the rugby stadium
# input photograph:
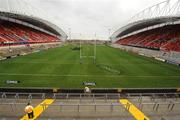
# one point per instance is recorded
(135, 75)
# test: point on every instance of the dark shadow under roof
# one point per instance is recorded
(146, 23)
(30, 20)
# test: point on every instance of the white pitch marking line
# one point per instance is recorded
(21, 74)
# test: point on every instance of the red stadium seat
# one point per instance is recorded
(18, 34)
(165, 38)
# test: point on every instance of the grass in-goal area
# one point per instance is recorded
(60, 67)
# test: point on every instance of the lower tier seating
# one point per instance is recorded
(14, 34)
(166, 38)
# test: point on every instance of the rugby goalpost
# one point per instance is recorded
(81, 56)
(101, 66)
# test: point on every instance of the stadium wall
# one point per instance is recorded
(169, 57)
(93, 90)
(8, 52)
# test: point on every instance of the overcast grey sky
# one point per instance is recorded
(87, 17)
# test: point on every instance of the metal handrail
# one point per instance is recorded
(93, 95)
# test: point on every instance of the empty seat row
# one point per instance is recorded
(166, 38)
(17, 34)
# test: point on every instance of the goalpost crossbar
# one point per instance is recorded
(86, 56)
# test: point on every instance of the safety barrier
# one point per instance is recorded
(80, 96)
(95, 109)
(12, 109)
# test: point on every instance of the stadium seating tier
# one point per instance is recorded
(165, 38)
(14, 34)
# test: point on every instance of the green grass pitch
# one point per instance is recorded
(61, 68)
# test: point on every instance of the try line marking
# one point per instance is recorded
(56, 75)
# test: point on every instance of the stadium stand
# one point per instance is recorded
(172, 57)
(14, 34)
(98, 106)
(164, 38)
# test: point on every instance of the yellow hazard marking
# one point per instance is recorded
(138, 115)
(39, 109)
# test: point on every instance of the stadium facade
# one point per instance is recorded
(153, 32)
(156, 27)
(22, 23)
